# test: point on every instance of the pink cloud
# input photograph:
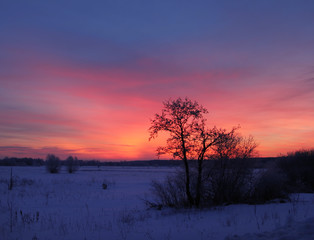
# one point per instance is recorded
(104, 112)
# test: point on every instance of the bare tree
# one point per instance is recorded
(72, 164)
(190, 139)
(228, 179)
(53, 163)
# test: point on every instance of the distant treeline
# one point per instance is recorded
(257, 162)
(21, 162)
(40, 162)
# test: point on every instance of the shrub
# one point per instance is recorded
(269, 185)
(53, 164)
(170, 193)
(72, 164)
(224, 182)
(298, 168)
(228, 182)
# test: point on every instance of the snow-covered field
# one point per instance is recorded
(75, 206)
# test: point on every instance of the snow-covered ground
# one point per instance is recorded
(75, 206)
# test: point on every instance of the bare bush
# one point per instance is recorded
(170, 193)
(228, 182)
(228, 179)
(269, 185)
(224, 182)
(53, 163)
(107, 184)
(72, 164)
(299, 167)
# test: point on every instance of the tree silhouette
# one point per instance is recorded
(190, 139)
(53, 163)
(72, 164)
(228, 179)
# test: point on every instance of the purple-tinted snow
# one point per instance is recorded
(75, 206)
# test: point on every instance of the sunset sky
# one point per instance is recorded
(84, 78)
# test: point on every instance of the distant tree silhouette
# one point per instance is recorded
(72, 164)
(298, 167)
(53, 163)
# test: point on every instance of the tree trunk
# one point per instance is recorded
(199, 183)
(187, 171)
(187, 183)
